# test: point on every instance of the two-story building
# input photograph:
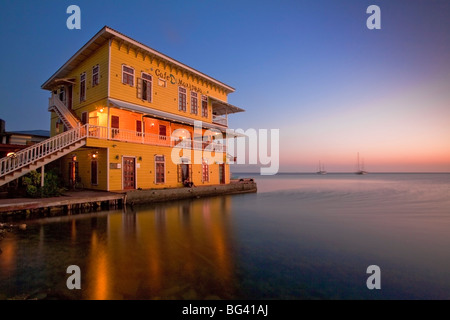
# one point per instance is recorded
(129, 109)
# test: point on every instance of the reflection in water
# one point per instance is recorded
(177, 250)
(302, 236)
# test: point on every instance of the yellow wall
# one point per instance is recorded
(163, 98)
(84, 167)
(98, 92)
(145, 158)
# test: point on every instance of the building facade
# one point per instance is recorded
(144, 119)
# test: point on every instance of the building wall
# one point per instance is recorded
(84, 159)
(163, 98)
(145, 171)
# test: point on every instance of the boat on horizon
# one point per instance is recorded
(321, 169)
(360, 166)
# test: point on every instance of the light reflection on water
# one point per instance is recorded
(299, 237)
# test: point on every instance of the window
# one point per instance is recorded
(114, 126)
(144, 87)
(205, 106)
(83, 87)
(205, 171)
(94, 172)
(138, 127)
(159, 169)
(181, 99)
(162, 132)
(128, 75)
(194, 102)
(95, 75)
(62, 94)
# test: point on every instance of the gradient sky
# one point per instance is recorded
(310, 68)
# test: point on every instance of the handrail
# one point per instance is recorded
(40, 150)
(67, 116)
(151, 139)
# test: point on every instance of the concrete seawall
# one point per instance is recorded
(157, 195)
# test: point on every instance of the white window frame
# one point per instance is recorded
(83, 96)
(205, 99)
(179, 100)
(140, 87)
(194, 102)
(98, 75)
(124, 72)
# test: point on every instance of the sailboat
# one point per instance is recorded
(360, 167)
(321, 169)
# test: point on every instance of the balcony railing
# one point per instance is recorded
(222, 120)
(124, 135)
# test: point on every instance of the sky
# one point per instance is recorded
(310, 68)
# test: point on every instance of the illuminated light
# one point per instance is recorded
(101, 109)
(11, 155)
(153, 124)
(74, 158)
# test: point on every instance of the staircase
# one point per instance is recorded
(56, 105)
(42, 153)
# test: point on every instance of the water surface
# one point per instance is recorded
(300, 237)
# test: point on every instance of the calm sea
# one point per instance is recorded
(302, 236)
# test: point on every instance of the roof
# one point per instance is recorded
(101, 38)
(40, 133)
(221, 107)
(162, 114)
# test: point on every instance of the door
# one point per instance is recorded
(129, 173)
(222, 173)
(69, 96)
(114, 126)
(185, 173)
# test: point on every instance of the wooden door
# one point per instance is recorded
(222, 173)
(129, 173)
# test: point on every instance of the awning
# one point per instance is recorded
(161, 114)
(221, 107)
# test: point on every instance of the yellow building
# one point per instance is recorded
(125, 116)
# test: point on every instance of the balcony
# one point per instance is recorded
(222, 120)
(123, 135)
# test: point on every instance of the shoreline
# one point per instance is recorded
(74, 202)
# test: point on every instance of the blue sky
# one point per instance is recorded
(309, 68)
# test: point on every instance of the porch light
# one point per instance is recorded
(11, 155)
(101, 110)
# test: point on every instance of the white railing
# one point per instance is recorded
(223, 120)
(150, 139)
(68, 117)
(40, 150)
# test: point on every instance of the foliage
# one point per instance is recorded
(32, 183)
